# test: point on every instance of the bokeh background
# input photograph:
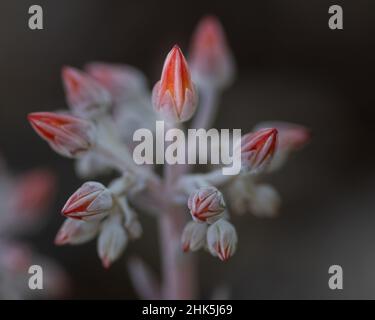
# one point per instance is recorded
(291, 67)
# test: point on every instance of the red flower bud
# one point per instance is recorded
(67, 135)
(174, 95)
(91, 200)
(291, 137)
(257, 149)
(206, 204)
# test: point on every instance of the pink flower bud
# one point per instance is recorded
(174, 95)
(112, 240)
(76, 232)
(67, 135)
(193, 236)
(210, 58)
(122, 81)
(85, 96)
(257, 149)
(222, 239)
(291, 137)
(206, 204)
(91, 200)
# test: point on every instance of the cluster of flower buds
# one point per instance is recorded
(209, 228)
(130, 95)
(273, 146)
(94, 210)
(108, 102)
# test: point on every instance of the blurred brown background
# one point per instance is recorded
(291, 67)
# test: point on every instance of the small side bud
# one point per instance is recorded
(76, 232)
(193, 236)
(257, 149)
(222, 239)
(122, 81)
(92, 200)
(112, 241)
(291, 137)
(206, 204)
(85, 96)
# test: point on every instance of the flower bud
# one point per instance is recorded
(76, 232)
(222, 239)
(212, 63)
(291, 137)
(122, 81)
(112, 240)
(67, 135)
(174, 96)
(257, 149)
(193, 236)
(85, 96)
(91, 200)
(206, 204)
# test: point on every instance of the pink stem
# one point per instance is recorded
(178, 269)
